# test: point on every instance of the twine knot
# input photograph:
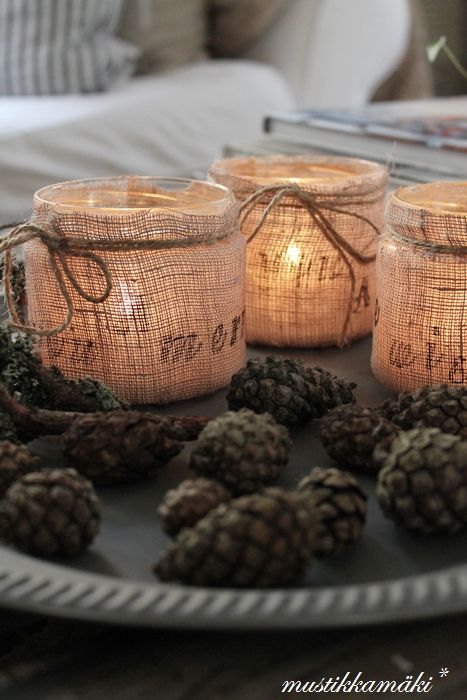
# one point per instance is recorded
(61, 249)
(317, 206)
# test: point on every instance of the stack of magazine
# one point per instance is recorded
(420, 141)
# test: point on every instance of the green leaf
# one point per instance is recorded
(432, 50)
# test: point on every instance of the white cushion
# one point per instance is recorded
(335, 53)
(168, 124)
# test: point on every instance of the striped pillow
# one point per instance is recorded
(61, 46)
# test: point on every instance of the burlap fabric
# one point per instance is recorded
(298, 284)
(420, 330)
(172, 326)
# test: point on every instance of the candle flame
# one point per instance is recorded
(293, 253)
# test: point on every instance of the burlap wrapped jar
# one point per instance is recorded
(172, 325)
(299, 286)
(420, 332)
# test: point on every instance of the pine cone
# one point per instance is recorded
(350, 434)
(243, 450)
(15, 462)
(290, 392)
(264, 539)
(54, 513)
(341, 504)
(189, 502)
(423, 481)
(334, 391)
(437, 406)
(120, 446)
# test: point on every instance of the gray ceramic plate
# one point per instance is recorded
(389, 575)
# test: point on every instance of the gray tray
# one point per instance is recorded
(389, 575)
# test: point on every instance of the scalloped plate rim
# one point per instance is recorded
(415, 597)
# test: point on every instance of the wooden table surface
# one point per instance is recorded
(45, 659)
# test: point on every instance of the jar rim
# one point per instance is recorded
(431, 197)
(120, 184)
(342, 170)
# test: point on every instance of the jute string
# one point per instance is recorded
(61, 248)
(316, 206)
(438, 248)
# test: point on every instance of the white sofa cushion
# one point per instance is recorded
(335, 53)
(168, 124)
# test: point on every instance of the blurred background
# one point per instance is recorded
(93, 88)
(448, 18)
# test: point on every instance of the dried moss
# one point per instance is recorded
(7, 428)
(19, 369)
(100, 392)
(18, 284)
(30, 383)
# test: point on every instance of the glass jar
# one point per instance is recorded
(172, 325)
(420, 325)
(299, 290)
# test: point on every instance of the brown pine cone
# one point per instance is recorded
(263, 539)
(54, 513)
(341, 504)
(120, 446)
(189, 502)
(350, 433)
(244, 450)
(287, 390)
(436, 406)
(423, 481)
(15, 462)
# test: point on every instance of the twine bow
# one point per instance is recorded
(316, 207)
(60, 249)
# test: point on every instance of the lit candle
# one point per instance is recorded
(172, 325)
(420, 330)
(299, 287)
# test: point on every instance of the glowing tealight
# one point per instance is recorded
(293, 253)
(303, 289)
